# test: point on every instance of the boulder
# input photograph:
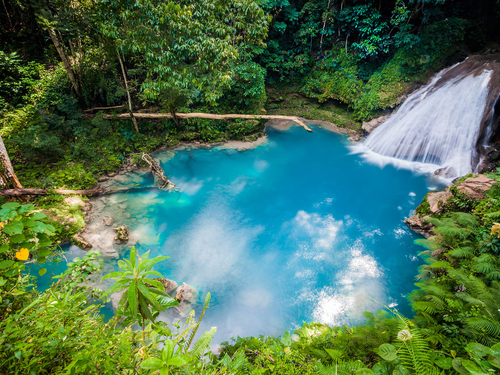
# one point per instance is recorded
(108, 220)
(475, 187)
(122, 234)
(418, 224)
(354, 138)
(169, 285)
(371, 125)
(186, 296)
(447, 172)
(81, 242)
(115, 299)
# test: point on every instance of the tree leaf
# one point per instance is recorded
(15, 227)
(387, 352)
(176, 361)
(42, 271)
(151, 364)
(132, 297)
(6, 264)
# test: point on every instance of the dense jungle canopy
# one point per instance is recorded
(68, 69)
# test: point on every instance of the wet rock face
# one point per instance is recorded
(81, 242)
(371, 125)
(122, 234)
(448, 172)
(354, 138)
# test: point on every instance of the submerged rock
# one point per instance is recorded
(371, 125)
(122, 234)
(355, 138)
(186, 296)
(108, 220)
(81, 242)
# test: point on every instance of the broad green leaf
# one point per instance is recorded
(124, 266)
(119, 285)
(132, 256)
(444, 363)
(382, 368)
(176, 361)
(29, 223)
(168, 348)
(11, 205)
(44, 252)
(167, 302)
(38, 216)
(112, 275)
(147, 265)
(4, 248)
(26, 208)
(15, 227)
(458, 366)
(6, 264)
(132, 297)
(151, 364)
(145, 308)
(387, 352)
(17, 238)
(42, 271)
(152, 300)
(477, 350)
(152, 273)
(473, 368)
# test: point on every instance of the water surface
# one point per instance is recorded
(295, 230)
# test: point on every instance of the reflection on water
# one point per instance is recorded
(295, 230)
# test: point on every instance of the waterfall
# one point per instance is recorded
(437, 127)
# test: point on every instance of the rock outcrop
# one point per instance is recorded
(169, 285)
(371, 125)
(186, 296)
(122, 234)
(418, 224)
(475, 187)
(81, 242)
(435, 202)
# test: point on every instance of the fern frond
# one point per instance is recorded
(480, 324)
(425, 306)
(203, 343)
(462, 252)
(197, 325)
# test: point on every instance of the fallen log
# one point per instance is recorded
(212, 117)
(90, 192)
(161, 181)
(102, 108)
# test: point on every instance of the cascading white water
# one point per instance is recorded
(436, 127)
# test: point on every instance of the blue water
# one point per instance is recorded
(297, 229)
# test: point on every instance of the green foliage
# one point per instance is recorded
(143, 298)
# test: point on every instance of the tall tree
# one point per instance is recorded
(187, 46)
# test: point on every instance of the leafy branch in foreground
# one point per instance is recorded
(143, 299)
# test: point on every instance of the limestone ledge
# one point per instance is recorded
(436, 202)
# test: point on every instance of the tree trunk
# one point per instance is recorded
(213, 117)
(65, 60)
(3, 181)
(20, 192)
(7, 166)
(128, 93)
